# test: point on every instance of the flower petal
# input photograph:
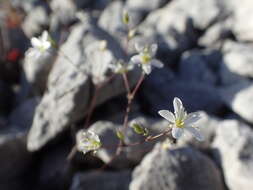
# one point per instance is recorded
(177, 105)
(192, 118)
(46, 45)
(167, 115)
(152, 50)
(177, 132)
(156, 63)
(195, 133)
(136, 59)
(146, 68)
(44, 36)
(35, 42)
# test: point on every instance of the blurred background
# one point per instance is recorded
(206, 48)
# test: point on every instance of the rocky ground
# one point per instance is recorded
(206, 48)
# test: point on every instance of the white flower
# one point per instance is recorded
(40, 45)
(87, 141)
(145, 57)
(121, 67)
(182, 121)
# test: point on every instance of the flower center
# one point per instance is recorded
(145, 58)
(179, 123)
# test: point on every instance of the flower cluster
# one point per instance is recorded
(181, 121)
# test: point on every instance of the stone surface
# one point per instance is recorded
(23, 114)
(238, 58)
(36, 21)
(36, 71)
(133, 154)
(138, 9)
(159, 94)
(239, 98)
(216, 34)
(6, 98)
(200, 65)
(101, 180)
(70, 88)
(183, 168)
(243, 22)
(233, 148)
(16, 161)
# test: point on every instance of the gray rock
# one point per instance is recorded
(238, 58)
(6, 98)
(16, 161)
(54, 170)
(133, 154)
(138, 9)
(69, 86)
(101, 180)
(208, 126)
(23, 115)
(36, 20)
(36, 71)
(239, 98)
(200, 65)
(233, 147)
(111, 19)
(243, 24)
(183, 168)
(216, 34)
(158, 94)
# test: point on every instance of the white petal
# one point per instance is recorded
(153, 49)
(177, 105)
(177, 132)
(192, 118)
(156, 63)
(136, 59)
(167, 115)
(44, 36)
(146, 68)
(35, 42)
(46, 45)
(195, 133)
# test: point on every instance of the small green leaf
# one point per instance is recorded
(120, 135)
(138, 129)
(125, 17)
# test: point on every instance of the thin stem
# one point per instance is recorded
(138, 85)
(126, 82)
(91, 107)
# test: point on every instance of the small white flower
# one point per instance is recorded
(181, 121)
(145, 57)
(40, 45)
(121, 67)
(87, 141)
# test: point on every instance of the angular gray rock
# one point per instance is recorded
(36, 21)
(197, 65)
(22, 115)
(176, 169)
(216, 34)
(158, 94)
(138, 9)
(98, 180)
(238, 58)
(243, 22)
(16, 161)
(133, 154)
(69, 86)
(233, 148)
(239, 98)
